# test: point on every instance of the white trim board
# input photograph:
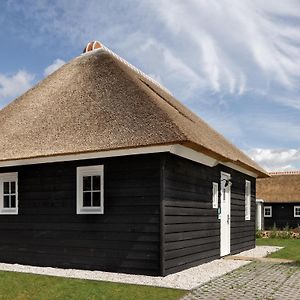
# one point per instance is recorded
(193, 155)
(260, 201)
(175, 149)
(81, 156)
(238, 168)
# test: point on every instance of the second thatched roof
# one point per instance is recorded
(281, 187)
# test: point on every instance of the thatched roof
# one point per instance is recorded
(97, 102)
(281, 187)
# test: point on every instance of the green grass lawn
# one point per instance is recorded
(20, 286)
(291, 248)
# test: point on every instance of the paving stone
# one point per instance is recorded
(258, 280)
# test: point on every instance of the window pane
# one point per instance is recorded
(96, 199)
(13, 201)
(96, 183)
(13, 187)
(6, 187)
(87, 183)
(6, 201)
(87, 199)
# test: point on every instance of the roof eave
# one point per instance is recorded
(199, 148)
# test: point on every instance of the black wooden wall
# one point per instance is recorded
(190, 226)
(282, 215)
(158, 216)
(48, 232)
(242, 231)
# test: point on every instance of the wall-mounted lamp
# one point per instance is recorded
(227, 182)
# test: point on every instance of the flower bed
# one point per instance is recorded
(279, 234)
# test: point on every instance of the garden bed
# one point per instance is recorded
(281, 234)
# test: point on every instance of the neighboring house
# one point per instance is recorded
(103, 169)
(280, 194)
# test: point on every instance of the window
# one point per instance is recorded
(9, 193)
(297, 211)
(268, 211)
(247, 200)
(90, 190)
(215, 198)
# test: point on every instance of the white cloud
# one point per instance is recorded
(12, 86)
(276, 159)
(237, 40)
(273, 126)
(292, 101)
(225, 46)
(57, 63)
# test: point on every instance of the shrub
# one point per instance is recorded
(286, 233)
(259, 233)
(273, 233)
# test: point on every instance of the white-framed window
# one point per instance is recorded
(247, 200)
(297, 211)
(268, 211)
(215, 193)
(9, 193)
(90, 190)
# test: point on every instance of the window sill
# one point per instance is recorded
(9, 211)
(90, 211)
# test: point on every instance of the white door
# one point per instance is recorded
(225, 214)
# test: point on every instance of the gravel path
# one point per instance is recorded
(187, 279)
(259, 251)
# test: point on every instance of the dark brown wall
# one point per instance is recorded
(282, 215)
(190, 224)
(48, 232)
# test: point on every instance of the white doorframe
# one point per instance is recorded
(259, 214)
(225, 214)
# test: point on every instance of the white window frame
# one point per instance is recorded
(3, 178)
(215, 195)
(269, 215)
(295, 208)
(89, 171)
(247, 200)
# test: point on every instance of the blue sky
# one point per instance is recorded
(235, 63)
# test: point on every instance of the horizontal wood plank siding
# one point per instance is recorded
(282, 216)
(48, 232)
(191, 225)
(192, 230)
